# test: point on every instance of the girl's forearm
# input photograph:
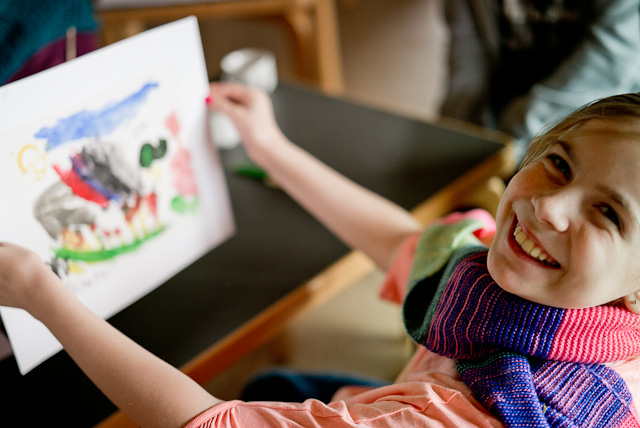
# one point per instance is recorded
(150, 391)
(359, 217)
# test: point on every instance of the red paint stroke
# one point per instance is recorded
(173, 124)
(129, 212)
(152, 202)
(183, 178)
(72, 238)
(79, 239)
(81, 188)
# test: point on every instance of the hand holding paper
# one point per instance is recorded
(23, 276)
(252, 113)
(134, 379)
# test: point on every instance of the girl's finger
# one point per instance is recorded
(233, 91)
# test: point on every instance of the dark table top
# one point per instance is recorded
(277, 247)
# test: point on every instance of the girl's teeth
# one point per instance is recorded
(528, 245)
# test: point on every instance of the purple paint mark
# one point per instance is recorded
(85, 173)
(80, 187)
(94, 123)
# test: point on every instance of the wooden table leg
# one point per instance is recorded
(300, 20)
(317, 35)
(329, 52)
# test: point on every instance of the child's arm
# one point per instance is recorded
(147, 389)
(360, 218)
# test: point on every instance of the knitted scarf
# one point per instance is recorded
(531, 365)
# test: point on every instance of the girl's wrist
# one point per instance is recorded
(48, 292)
(269, 153)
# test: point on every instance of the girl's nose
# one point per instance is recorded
(556, 208)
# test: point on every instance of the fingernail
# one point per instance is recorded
(209, 99)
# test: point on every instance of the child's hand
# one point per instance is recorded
(23, 275)
(252, 113)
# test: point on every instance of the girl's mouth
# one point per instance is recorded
(532, 249)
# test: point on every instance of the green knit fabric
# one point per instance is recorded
(436, 246)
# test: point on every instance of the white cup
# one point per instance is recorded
(252, 67)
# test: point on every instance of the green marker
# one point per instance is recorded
(253, 171)
(250, 170)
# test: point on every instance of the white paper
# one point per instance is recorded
(109, 175)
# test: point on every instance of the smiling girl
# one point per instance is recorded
(540, 329)
(568, 233)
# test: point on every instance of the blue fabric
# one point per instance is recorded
(603, 61)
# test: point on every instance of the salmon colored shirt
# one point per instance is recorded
(428, 392)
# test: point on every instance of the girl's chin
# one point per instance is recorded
(505, 277)
(493, 267)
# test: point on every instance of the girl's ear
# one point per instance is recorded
(632, 302)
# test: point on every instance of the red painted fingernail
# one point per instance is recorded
(209, 99)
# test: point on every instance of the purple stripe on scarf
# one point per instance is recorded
(483, 317)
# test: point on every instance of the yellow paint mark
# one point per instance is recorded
(32, 161)
(75, 268)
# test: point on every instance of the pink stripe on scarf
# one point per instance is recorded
(597, 335)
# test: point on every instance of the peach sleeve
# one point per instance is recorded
(434, 402)
(394, 287)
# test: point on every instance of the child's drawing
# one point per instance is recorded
(108, 180)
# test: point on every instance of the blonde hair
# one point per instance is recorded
(616, 107)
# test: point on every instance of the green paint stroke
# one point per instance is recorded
(102, 255)
(149, 153)
(183, 206)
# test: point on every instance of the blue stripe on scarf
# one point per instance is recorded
(539, 393)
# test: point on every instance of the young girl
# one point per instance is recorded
(541, 330)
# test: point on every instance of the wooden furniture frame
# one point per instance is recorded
(313, 24)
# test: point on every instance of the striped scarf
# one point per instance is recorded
(530, 364)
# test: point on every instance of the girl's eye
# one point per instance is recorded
(610, 214)
(561, 165)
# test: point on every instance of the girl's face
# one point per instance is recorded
(568, 231)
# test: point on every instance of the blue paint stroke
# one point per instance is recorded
(94, 123)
